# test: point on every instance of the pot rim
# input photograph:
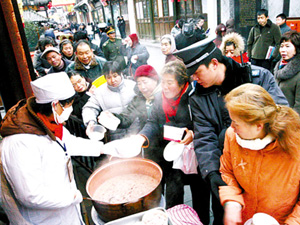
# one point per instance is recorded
(116, 162)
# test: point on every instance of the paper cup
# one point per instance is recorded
(108, 120)
(173, 133)
(97, 133)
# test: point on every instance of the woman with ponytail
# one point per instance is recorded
(260, 161)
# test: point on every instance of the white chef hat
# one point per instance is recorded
(52, 87)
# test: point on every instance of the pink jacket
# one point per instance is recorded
(265, 181)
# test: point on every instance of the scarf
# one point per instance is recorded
(256, 144)
(282, 64)
(170, 106)
(288, 71)
(57, 129)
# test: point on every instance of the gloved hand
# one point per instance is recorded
(215, 180)
(124, 148)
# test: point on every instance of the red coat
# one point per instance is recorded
(265, 181)
(238, 58)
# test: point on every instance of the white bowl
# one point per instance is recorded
(97, 133)
(263, 219)
(248, 222)
(155, 217)
(173, 150)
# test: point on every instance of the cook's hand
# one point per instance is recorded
(89, 127)
(188, 138)
(135, 57)
(232, 213)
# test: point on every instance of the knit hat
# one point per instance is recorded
(47, 50)
(146, 71)
(134, 38)
(52, 87)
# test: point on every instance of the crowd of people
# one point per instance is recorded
(237, 101)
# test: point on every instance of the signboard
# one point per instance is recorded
(62, 2)
(294, 23)
(245, 15)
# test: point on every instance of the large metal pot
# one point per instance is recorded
(108, 212)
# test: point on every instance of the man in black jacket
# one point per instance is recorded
(214, 76)
(122, 26)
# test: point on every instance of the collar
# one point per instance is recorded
(79, 66)
(116, 89)
(256, 144)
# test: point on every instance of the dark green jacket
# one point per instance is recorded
(112, 52)
(260, 38)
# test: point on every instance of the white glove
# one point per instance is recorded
(125, 148)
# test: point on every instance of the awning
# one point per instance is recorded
(82, 6)
(32, 16)
(56, 3)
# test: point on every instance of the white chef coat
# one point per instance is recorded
(36, 168)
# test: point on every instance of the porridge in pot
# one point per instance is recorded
(125, 188)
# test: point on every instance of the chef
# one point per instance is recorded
(38, 185)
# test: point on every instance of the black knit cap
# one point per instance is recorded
(194, 54)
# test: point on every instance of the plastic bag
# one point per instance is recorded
(187, 161)
(183, 214)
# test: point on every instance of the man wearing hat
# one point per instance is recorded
(54, 58)
(38, 185)
(122, 26)
(102, 35)
(112, 48)
(214, 76)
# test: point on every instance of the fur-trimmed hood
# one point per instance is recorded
(237, 39)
